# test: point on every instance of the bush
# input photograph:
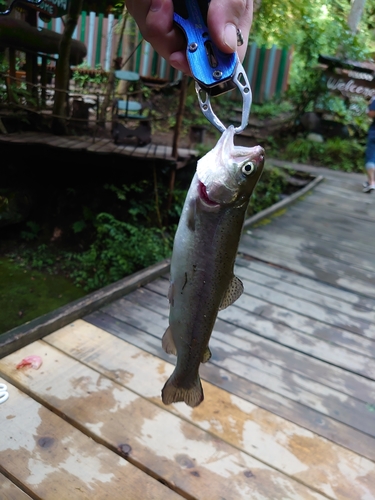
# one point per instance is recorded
(335, 153)
(269, 189)
(119, 249)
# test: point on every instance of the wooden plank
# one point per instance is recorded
(37, 328)
(356, 194)
(283, 445)
(280, 309)
(326, 236)
(262, 396)
(82, 144)
(330, 225)
(291, 329)
(361, 303)
(323, 314)
(299, 292)
(282, 204)
(338, 238)
(281, 380)
(20, 137)
(161, 151)
(317, 369)
(171, 449)
(143, 151)
(111, 147)
(151, 151)
(51, 459)
(52, 140)
(327, 270)
(254, 345)
(9, 491)
(100, 143)
(295, 245)
(310, 244)
(338, 206)
(321, 220)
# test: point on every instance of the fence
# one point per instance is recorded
(267, 69)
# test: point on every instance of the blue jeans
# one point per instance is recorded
(370, 151)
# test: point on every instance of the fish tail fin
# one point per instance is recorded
(192, 396)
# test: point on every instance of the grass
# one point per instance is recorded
(25, 294)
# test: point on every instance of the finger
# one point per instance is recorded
(224, 18)
(155, 21)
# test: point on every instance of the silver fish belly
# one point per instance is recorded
(205, 247)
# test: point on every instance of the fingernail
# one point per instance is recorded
(230, 36)
(156, 5)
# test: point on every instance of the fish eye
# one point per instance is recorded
(248, 168)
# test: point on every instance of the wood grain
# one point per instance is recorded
(54, 460)
(243, 363)
(177, 452)
(9, 491)
(294, 411)
(283, 445)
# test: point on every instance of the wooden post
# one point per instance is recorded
(31, 59)
(43, 79)
(12, 73)
(176, 135)
(179, 116)
(12, 63)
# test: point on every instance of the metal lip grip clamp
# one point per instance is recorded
(214, 71)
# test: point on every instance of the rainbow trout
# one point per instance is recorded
(205, 247)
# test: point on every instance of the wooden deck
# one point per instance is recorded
(100, 146)
(289, 409)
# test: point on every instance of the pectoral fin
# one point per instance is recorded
(233, 292)
(168, 342)
(206, 355)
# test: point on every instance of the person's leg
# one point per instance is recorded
(370, 165)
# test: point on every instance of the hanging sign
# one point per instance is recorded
(50, 8)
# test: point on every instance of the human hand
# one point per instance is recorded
(155, 21)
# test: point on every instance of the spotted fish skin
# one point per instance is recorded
(204, 252)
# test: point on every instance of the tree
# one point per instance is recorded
(116, 64)
(355, 15)
(63, 68)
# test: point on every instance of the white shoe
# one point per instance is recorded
(369, 188)
(365, 184)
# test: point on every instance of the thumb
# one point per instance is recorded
(224, 18)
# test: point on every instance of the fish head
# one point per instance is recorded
(228, 174)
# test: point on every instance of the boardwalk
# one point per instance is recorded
(289, 410)
(103, 146)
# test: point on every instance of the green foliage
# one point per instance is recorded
(32, 232)
(119, 249)
(26, 294)
(311, 28)
(271, 109)
(335, 153)
(350, 112)
(269, 189)
(79, 226)
(86, 80)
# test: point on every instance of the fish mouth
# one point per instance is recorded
(202, 191)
